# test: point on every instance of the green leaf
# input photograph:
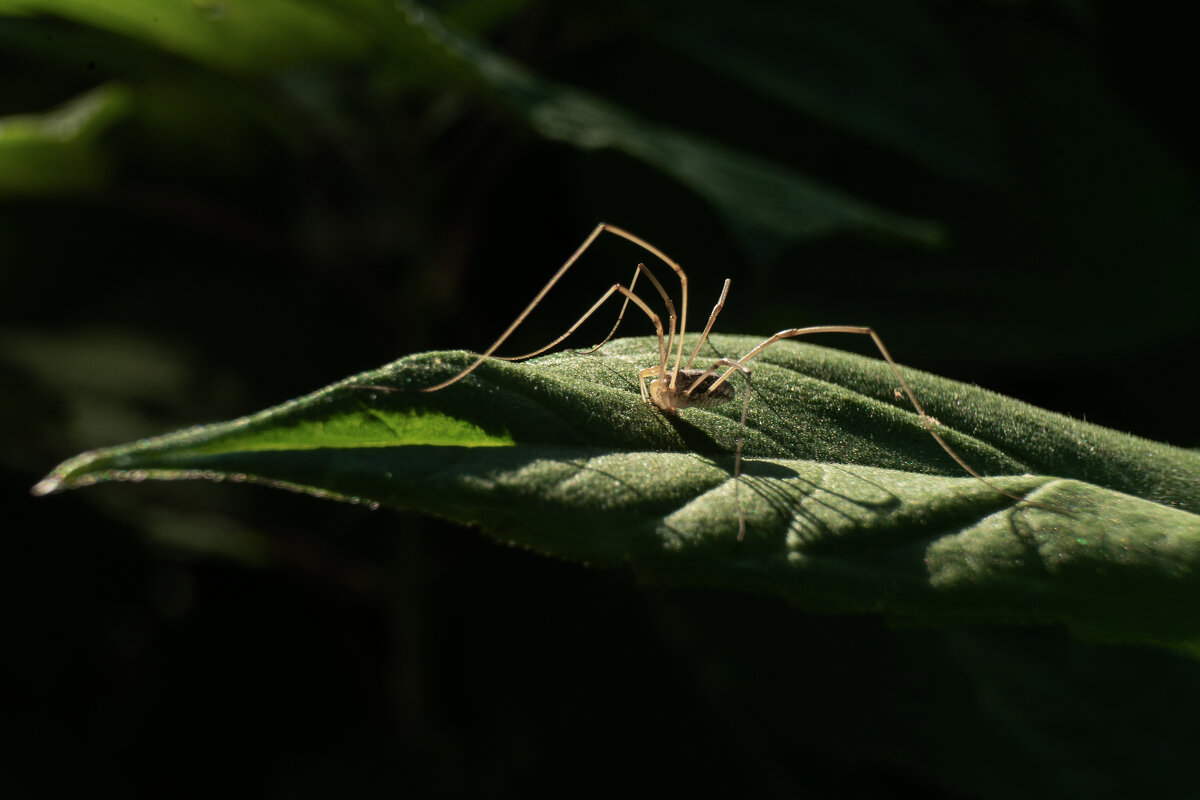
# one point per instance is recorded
(236, 35)
(767, 203)
(56, 151)
(880, 69)
(849, 503)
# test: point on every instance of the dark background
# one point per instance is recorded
(252, 233)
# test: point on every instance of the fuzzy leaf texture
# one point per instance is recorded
(849, 503)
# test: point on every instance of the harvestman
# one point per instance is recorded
(673, 388)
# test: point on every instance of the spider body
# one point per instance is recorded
(673, 386)
(693, 389)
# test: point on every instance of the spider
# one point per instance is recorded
(672, 386)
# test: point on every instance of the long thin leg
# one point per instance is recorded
(661, 292)
(682, 283)
(599, 229)
(927, 421)
(711, 319)
(637, 272)
(616, 287)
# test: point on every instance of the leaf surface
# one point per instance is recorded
(850, 505)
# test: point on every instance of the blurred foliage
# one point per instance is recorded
(207, 206)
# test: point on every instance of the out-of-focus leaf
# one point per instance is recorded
(238, 35)
(879, 69)
(767, 203)
(57, 151)
(479, 16)
(849, 504)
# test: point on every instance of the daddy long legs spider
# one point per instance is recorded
(672, 386)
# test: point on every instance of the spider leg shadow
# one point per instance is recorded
(805, 505)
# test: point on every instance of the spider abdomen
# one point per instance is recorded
(692, 390)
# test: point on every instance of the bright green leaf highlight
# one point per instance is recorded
(56, 151)
(368, 427)
(850, 505)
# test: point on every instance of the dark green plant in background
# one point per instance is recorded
(209, 207)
